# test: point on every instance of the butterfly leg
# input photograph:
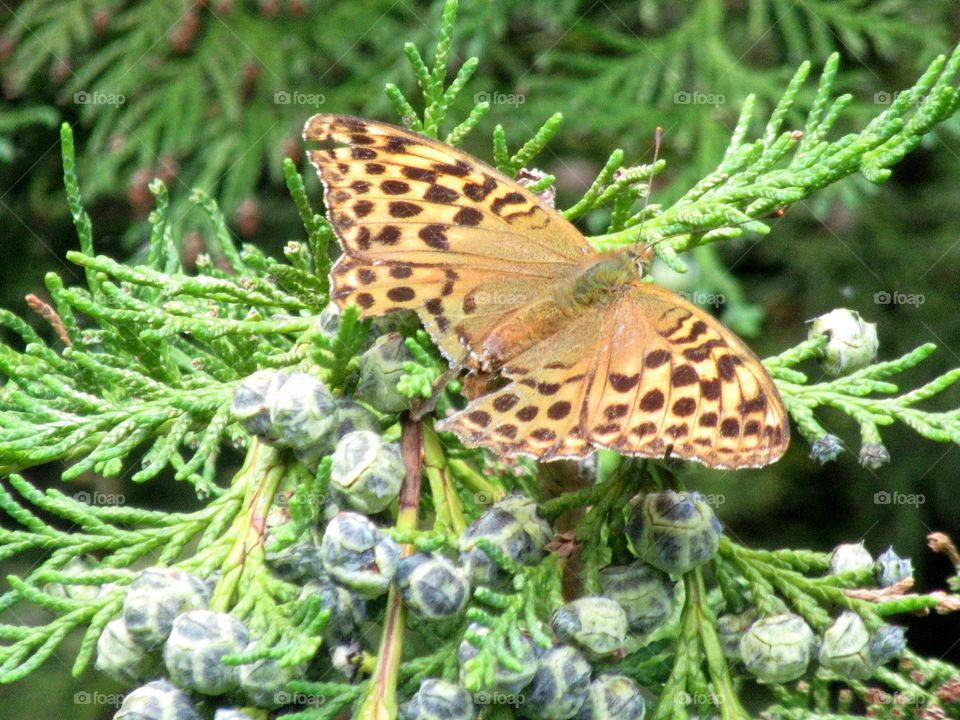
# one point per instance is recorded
(420, 407)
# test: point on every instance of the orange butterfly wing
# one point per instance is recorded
(427, 228)
(645, 375)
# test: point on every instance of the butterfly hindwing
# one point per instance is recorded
(651, 375)
(539, 413)
(676, 379)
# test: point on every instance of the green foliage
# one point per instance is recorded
(154, 86)
(851, 394)
(12, 120)
(755, 179)
(147, 357)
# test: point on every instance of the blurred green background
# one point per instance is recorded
(213, 95)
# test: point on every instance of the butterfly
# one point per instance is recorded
(593, 356)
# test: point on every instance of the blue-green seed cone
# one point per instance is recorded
(598, 625)
(560, 686)
(438, 700)
(194, 652)
(432, 586)
(359, 556)
(366, 473)
(674, 532)
(890, 568)
(851, 341)
(156, 598)
(778, 649)
(613, 697)
(120, 657)
(845, 649)
(515, 527)
(157, 700)
(887, 643)
(302, 413)
(645, 594)
(850, 557)
(252, 399)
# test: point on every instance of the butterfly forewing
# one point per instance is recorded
(424, 226)
(486, 266)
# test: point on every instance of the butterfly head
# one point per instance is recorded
(640, 257)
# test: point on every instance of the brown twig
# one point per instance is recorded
(941, 543)
(380, 702)
(50, 315)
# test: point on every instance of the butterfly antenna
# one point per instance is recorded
(657, 140)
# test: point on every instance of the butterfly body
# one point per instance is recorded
(600, 280)
(592, 355)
